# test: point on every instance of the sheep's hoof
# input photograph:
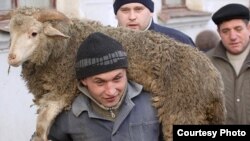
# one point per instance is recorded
(38, 139)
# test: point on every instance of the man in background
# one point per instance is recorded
(138, 15)
(231, 57)
(206, 40)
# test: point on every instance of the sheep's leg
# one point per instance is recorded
(45, 119)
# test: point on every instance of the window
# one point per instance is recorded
(12, 4)
(183, 14)
(173, 3)
(7, 5)
(172, 9)
(36, 3)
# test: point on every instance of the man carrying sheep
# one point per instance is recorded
(138, 15)
(109, 107)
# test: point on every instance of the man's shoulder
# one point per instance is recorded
(216, 51)
(168, 30)
(173, 33)
(210, 52)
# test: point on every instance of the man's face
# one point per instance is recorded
(134, 16)
(107, 88)
(234, 35)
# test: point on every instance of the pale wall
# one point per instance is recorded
(209, 6)
(17, 118)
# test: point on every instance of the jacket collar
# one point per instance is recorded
(152, 25)
(82, 102)
(149, 25)
(220, 52)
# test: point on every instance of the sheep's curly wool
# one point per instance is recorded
(186, 87)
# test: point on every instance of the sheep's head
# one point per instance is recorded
(29, 35)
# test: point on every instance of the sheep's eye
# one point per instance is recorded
(34, 34)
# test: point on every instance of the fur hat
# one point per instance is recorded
(148, 3)
(230, 11)
(97, 54)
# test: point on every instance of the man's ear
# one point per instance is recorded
(83, 81)
(248, 27)
(218, 29)
(152, 14)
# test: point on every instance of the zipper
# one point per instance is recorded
(112, 113)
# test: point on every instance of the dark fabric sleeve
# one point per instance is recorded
(58, 131)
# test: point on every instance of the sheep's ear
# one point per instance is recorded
(50, 31)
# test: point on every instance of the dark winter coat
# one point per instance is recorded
(173, 33)
(237, 90)
(137, 120)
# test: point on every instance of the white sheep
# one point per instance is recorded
(186, 87)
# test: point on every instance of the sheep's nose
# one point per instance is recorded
(11, 56)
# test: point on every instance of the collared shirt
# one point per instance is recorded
(137, 120)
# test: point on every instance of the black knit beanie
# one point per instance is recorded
(148, 3)
(98, 54)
